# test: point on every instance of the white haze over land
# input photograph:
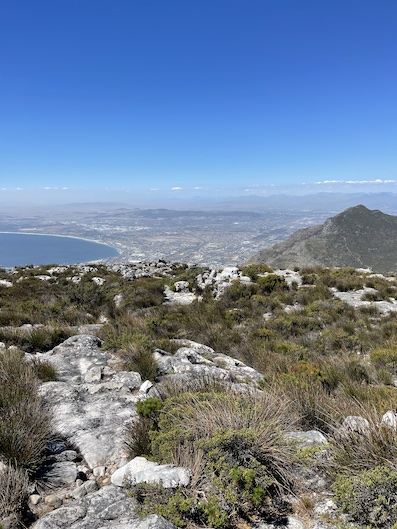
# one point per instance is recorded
(176, 196)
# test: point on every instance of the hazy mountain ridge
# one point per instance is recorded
(357, 237)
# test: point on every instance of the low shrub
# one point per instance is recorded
(385, 357)
(369, 498)
(236, 445)
(138, 357)
(136, 436)
(254, 270)
(44, 370)
(272, 282)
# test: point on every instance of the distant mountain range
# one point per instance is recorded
(357, 237)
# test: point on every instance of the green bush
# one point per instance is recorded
(385, 357)
(236, 446)
(369, 498)
(254, 270)
(137, 434)
(272, 282)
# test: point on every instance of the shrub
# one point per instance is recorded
(254, 270)
(369, 498)
(385, 357)
(138, 357)
(309, 395)
(25, 421)
(44, 370)
(272, 282)
(236, 444)
(136, 436)
(14, 492)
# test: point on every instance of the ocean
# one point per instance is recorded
(20, 249)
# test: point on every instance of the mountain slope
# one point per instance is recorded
(357, 237)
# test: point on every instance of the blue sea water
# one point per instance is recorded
(19, 249)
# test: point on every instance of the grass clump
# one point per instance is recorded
(235, 446)
(355, 451)
(138, 357)
(25, 421)
(14, 492)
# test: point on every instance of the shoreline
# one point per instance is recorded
(58, 255)
(65, 236)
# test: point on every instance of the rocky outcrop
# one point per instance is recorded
(108, 508)
(199, 360)
(91, 400)
(85, 477)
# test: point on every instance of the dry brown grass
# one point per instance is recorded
(14, 491)
(25, 420)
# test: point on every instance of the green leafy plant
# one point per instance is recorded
(369, 498)
(244, 463)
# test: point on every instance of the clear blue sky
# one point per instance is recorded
(161, 94)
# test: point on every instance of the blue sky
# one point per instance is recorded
(197, 95)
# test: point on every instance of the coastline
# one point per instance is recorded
(48, 248)
(57, 235)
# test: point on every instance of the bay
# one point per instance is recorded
(20, 249)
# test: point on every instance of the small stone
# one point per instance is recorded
(99, 472)
(389, 419)
(53, 500)
(34, 499)
(324, 508)
(79, 492)
(145, 386)
(356, 423)
(91, 486)
(306, 439)
(67, 455)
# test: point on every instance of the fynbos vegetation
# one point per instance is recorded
(321, 360)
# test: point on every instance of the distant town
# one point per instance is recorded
(228, 235)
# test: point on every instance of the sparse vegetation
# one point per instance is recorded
(328, 357)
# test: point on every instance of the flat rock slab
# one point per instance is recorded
(199, 360)
(91, 401)
(105, 509)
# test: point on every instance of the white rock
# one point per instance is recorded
(323, 508)
(145, 386)
(34, 499)
(140, 470)
(99, 472)
(309, 438)
(181, 286)
(389, 419)
(356, 423)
